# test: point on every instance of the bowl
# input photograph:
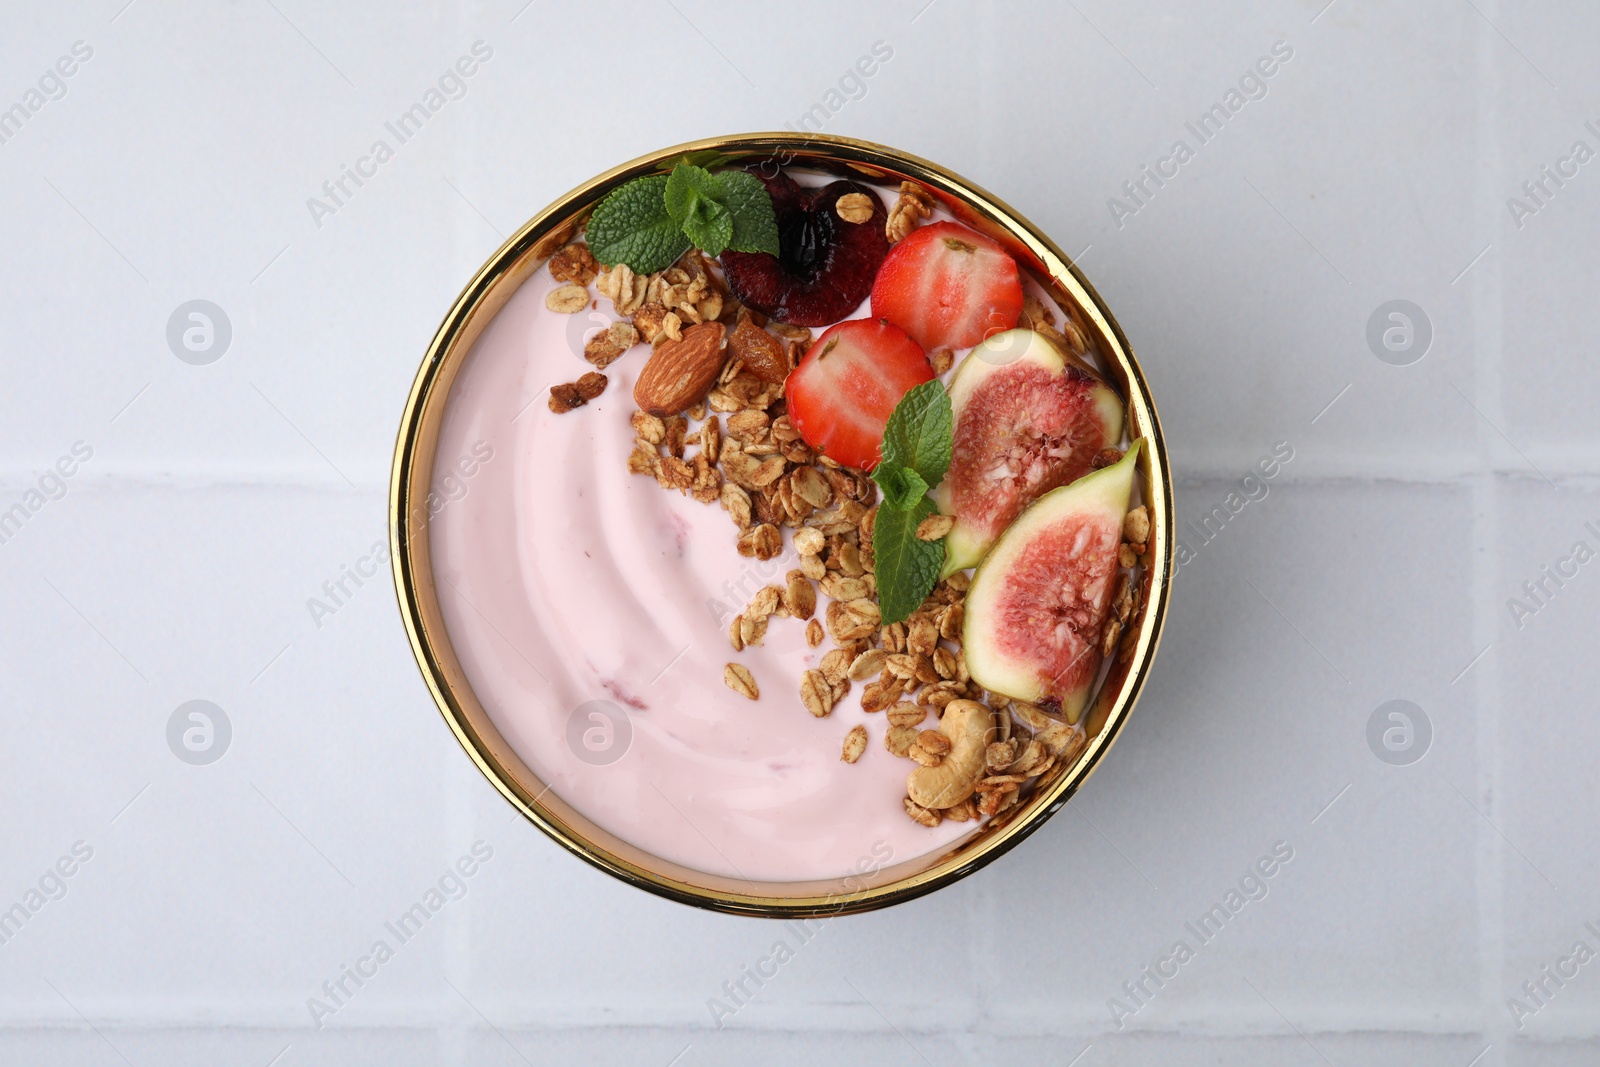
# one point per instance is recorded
(872, 887)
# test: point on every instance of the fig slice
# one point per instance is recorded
(1038, 602)
(1026, 421)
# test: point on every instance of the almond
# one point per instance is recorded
(680, 373)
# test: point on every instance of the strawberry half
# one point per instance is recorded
(841, 395)
(948, 287)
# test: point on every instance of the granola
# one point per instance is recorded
(567, 299)
(570, 395)
(737, 449)
(854, 207)
(574, 263)
(738, 678)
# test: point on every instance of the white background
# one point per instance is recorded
(219, 498)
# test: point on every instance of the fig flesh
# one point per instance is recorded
(1038, 602)
(1026, 421)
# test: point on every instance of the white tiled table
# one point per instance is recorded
(219, 498)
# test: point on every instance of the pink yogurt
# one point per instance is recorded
(564, 579)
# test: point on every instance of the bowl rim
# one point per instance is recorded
(411, 476)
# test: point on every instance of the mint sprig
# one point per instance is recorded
(907, 568)
(916, 455)
(651, 221)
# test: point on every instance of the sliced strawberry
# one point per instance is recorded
(948, 287)
(841, 395)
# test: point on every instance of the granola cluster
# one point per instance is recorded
(569, 395)
(1128, 598)
(684, 294)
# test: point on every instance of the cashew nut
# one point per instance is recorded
(968, 725)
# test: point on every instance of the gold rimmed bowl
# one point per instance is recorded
(411, 482)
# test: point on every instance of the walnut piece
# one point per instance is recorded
(674, 473)
(913, 205)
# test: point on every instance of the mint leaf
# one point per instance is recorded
(907, 568)
(902, 487)
(632, 225)
(650, 222)
(755, 226)
(686, 185)
(692, 199)
(919, 431)
(709, 226)
(916, 454)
